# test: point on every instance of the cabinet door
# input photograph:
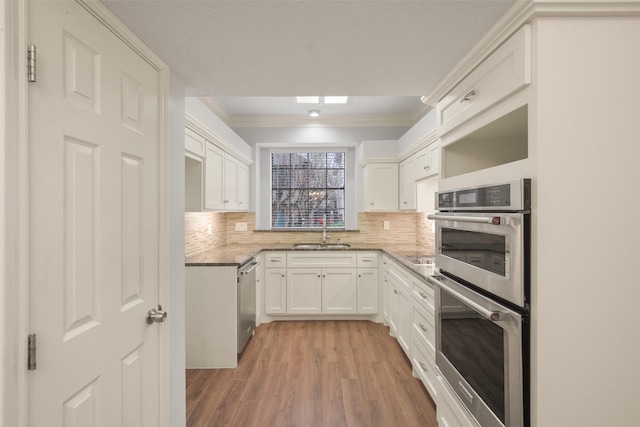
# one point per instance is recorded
(230, 182)
(304, 290)
(407, 185)
(386, 291)
(434, 159)
(339, 290)
(275, 290)
(242, 187)
(214, 178)
(421, 163)
(404, 320)
(394, 307)
(381, 187)
(367, 295)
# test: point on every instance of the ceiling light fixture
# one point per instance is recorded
(335, 99)
(308, 99)
(314, 113)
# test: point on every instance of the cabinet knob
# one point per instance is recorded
(468, 96)
(283, 275)
(359, 275)
(424, 328)
(395, 291)
(318, 275)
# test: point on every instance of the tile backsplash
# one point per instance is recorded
(409, 231)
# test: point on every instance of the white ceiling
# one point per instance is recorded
(265, 49)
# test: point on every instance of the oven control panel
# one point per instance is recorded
(510, 196)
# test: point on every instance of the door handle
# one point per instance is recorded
(156, 316)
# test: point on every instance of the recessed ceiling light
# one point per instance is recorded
(314, 113)
(335, 99)
(308, 99)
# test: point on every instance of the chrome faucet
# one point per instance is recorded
(325, 236)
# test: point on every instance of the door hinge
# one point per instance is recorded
(31, 63)
(31, 357)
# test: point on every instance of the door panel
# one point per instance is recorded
(94, 203)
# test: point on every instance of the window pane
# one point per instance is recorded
(306, 187)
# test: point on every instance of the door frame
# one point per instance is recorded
(14, 193)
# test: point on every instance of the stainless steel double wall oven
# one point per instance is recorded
(482, 299)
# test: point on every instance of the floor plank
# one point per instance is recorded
(312, 373)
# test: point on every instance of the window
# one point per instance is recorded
(307, 189)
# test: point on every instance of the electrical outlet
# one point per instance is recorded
(386, 225)
(241, 226)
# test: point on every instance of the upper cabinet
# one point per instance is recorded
(502, 73)
(221, 182)
(427, 161)
(407, 184)
(381, 187)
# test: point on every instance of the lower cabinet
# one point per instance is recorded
(424, 365)
(367, 290)
(304, 290)
(399, 313)
(449, 412)
(339, 290)
(275, 290)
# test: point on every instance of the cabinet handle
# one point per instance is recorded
(395, 291)
(424, 368)
(424, 328)
(468, 96)
(423, 295)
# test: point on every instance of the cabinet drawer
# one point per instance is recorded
(449, 412)
(275, 259)
(323, 259)
(423, 325)
(367, 259)
(502, 73)
(194, 143)
(386, 262)
(424, 294)
(424, 366)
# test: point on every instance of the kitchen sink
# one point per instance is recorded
(321, 245)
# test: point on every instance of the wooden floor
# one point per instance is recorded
(312, 373)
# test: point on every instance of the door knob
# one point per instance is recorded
(157, 316)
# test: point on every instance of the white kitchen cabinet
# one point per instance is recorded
(400, 313)
(339, 291)
(367, 290)
(304, 290)
(407, 188)
(193, 182)
(502, 73)
(275, 290)
(427, 161)
(226, 181)
(211, 332)
(214, 178)
(381, 187)
(424, 366)
(450, 412)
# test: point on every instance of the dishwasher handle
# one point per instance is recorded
(253, 265)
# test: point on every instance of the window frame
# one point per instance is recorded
(303, 150)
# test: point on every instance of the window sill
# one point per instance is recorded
(306, 230)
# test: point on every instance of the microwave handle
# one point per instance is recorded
(494, 220)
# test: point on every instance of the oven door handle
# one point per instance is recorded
(493, 220)
(494, 316)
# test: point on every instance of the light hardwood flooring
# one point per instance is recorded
(312, 373)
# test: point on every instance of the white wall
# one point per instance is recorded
(424, 127)
(585, 289)
(176, 316)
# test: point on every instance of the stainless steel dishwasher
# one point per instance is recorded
(246, 302)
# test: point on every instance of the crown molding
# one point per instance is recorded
(425, 141)
(216, 108)
(284, 121)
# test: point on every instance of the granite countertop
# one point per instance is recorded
(237, 255)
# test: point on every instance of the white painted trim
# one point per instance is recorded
(215, 139)
(286, 121)
(216, 108)
(374, 160)
(427, 140)
(101, 13)
(16, 216)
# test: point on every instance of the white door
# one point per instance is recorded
(94, 248)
